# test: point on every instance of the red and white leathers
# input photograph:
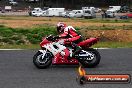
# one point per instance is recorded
(70, 35)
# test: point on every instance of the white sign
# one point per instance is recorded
(7, 7)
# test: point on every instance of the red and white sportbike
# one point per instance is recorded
(53, 52)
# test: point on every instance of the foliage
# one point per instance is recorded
(34, 35)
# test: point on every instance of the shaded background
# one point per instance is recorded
(68, 4)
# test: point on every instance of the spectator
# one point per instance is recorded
(0, 9)
(103, 14)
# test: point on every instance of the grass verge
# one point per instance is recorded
(113, 45)
(98, 45)
(15, 46)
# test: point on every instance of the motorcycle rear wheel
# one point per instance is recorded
(92, 63)
(41, 63)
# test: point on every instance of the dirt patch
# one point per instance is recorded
(109, 35)
(30, 22)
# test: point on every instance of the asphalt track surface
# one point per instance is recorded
(18, 71)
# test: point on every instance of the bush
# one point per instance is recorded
(36, 34)
(18, 42)
(15, 37)
(33, 35)
(1, 26)
(7, 40)
(21, 31)
(77, 28)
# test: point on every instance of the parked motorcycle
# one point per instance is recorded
(52, 53)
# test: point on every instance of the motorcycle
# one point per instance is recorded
(52, 53)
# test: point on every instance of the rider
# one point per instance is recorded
(70, 35)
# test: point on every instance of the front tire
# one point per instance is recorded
(91, 63)
(41, 62)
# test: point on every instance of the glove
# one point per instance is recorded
(67, 42)
(56, 37)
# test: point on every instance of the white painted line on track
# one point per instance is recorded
(102, 48)
(29, 49)
(12, 49)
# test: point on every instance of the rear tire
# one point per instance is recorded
(42, 63)
(93, 62)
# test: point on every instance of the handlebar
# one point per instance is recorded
(51, 38)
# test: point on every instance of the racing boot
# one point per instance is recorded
(76, 49)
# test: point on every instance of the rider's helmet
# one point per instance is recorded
(60, 27)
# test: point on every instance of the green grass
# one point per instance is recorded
(22, 36)
(113, 45)
(14, 46)
(105, 27)
(106, 20)
(98, 45)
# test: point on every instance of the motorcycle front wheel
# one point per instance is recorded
(41, 61)
(92, 61)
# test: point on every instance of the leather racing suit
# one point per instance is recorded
(71, 38)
